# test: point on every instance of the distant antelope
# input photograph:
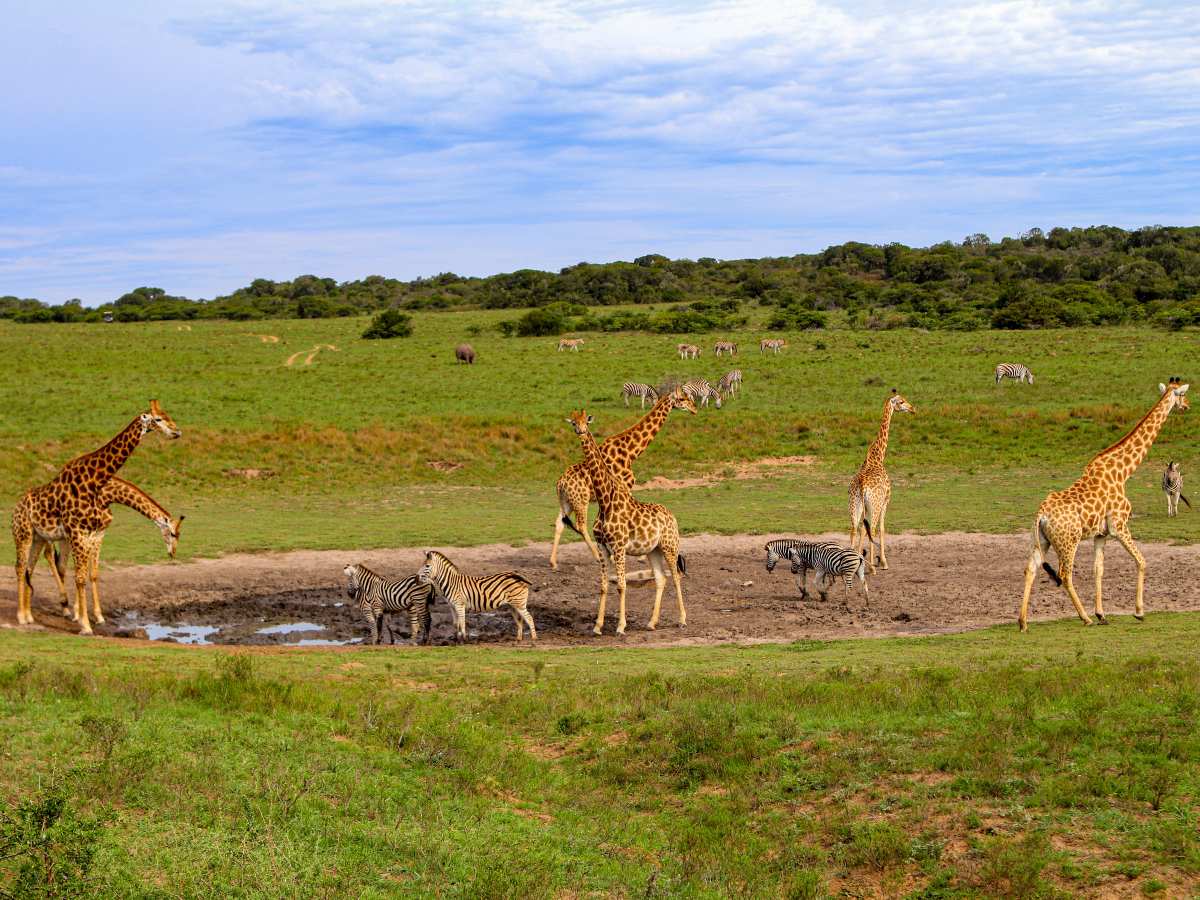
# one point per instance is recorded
(773, 344)
(1015, 371)
(687, 351)
(725, 347)
(572, 344)
(731, 382)
(637, 389)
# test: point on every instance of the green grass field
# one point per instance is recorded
(351, 438)
(1061, 763)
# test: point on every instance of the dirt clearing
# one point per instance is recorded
(937, 583)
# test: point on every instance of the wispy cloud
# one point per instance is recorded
(216, 144)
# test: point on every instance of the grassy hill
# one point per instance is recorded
(387, 443)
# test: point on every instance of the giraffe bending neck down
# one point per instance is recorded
(628, 526)
(69, 508)
(1095, 506)
(871, 489)
(574, 487)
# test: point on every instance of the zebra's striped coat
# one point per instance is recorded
(642, 391)
(1172, 485)
(731, 382)
(1015, 371)
(701, 392)
(773, 344)
(828, 560)
(376, 596)
(572, 344)
(687, 351)
(725, 347)
(478, 594)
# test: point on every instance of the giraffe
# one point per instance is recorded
(628, 526)
(1095, 506)
(68, 508)
(117, 490)
(574, 488)
(871, 489)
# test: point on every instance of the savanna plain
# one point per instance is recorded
(1062, 762)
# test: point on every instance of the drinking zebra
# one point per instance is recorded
(483, 593)
(570, 344)
(828, 560)
(637, 389)
(725, 347)
(375, 595)
(1172, 485)
(731, 382)
(775, 344)
(1015, 371)
(701, 392)
(687, 351)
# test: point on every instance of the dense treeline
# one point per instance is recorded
(1068, 276)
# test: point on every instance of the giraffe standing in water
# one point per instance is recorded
(574, 487)
(118, 490)
(628, 526)
(871, 489)
(1095, 506)
(68, 508)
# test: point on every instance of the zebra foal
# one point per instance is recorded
(642, 391)
(1015, 371)
(828, 560)
(478, 594)
(730, 383)
(1172, 485)
(375, 596)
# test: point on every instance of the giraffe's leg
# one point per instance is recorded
(94, 572)
(582, 516)
(56, 569)
(79, 550)
(564, 509)
(619, 565)
(657, 565)
(1098, 574)
(27, 551)
(1036, 556)
(1122, 534)
(1066, 572)
(868, 524)
(882, 552)
(603, 591)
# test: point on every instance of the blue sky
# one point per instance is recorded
(196, 146)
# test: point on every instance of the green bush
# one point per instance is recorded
(391, 323)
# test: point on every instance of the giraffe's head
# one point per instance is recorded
(681, 399)
(158, 420)
(580, 420)
(1178, 399)
(899, 404)
(170, 533)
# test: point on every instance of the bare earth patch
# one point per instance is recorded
(251, 474)
(759, 468)
(937, 584)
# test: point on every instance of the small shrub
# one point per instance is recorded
(46, 850)
(391, 323)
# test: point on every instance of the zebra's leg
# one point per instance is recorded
(657, 565)
(603, 591)
(376, 620)
(460, 622)
(523, 609)
(426, 625)
(1126, 539)
(619, 565)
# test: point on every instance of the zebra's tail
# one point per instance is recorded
(566, 520)
(1185, 500)
(681, 564)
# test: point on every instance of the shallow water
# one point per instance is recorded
(291, 628)
(182, 634)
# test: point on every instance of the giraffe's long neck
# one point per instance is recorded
(118, 490)
(1122, 458)
(878, 450)
(606, 488)
(631, 442)
(103, 463)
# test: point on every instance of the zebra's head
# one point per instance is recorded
(1178, 394)
(681, 399)
(435, 567)
(899, 404)
(772, 557)
(351, 573)
(580, 420)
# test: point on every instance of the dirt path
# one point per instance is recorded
(938, 583)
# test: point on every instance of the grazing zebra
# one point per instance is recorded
(637, 389)
(570, 344)
(1015, 371)
(1172, 485)
(725, 347)
(775, 344)
(687, 351)
(488, 592)
(701, 392)
(375, 595)
(731, 382)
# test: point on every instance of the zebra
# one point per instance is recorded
(569, 344)
(775, 344)
(687, 351)
(1015, 371)
(637, 389)
(731, 382)
(1172, 485)
(725, 347)
(826, 559)
(376, 595)
(484, 593)
(701, 392)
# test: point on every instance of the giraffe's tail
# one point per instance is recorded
(681, 564)
(566, 520)
(1039, 535)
